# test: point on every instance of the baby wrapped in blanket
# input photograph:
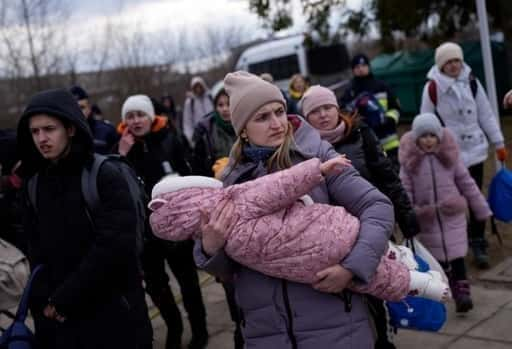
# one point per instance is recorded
(282, 233)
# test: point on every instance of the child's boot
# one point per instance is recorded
(461, 295)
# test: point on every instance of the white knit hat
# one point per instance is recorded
(427, 123)
(138, 103)
(447, 51)
(172, 183)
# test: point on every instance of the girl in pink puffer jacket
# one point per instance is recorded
(440, 188)
(281, 232)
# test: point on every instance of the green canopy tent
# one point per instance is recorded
(406, 72)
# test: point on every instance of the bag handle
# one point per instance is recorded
(410, 243)
(21, 314)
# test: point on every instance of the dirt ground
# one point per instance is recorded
(497, 252)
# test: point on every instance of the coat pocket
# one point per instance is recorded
(453, 205)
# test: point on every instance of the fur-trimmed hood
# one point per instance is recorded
(410, 154)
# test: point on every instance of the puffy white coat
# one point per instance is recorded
(470, 118)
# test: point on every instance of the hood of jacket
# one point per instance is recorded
(58, 103)
(410, 154)
(444, 82)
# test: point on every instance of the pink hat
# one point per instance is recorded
(315, 97)
(248, 93)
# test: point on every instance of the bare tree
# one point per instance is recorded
(32, 38)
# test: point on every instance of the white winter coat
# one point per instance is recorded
(470, 118)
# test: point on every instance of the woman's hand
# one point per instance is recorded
(333, 279)
(126, 142)
(51, 313)
(215, 227)
(335, 165)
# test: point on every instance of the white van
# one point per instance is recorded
(287, 56)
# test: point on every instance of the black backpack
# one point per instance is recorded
(91, 195)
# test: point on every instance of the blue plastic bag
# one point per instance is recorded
(416, 312)
(500, 195)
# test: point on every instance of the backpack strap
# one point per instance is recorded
(32, 191)
(473, 84)
(21, 313)
(90, 186)
(432, 92)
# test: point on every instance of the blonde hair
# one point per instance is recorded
(280, 160)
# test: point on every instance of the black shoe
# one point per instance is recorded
(384, 344)
(481, 257)
(479, 247)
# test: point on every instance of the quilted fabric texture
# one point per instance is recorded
(276, 233)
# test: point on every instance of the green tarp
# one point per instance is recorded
(406, 72)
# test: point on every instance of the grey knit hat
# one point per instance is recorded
(427, 123)
(248, 93)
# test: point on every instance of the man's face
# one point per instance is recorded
(50, 136)
(361, 70)
(85, 107)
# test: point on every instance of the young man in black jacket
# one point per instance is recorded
(89, 294)
(155, 149)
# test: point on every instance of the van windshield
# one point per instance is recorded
(280, 68)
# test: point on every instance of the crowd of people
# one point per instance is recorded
(294, 164)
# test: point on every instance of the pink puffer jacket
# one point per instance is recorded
(440, 188)
(276, 233)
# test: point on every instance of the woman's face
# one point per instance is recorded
(222, 107)
(299, 84)
(138, 123)
(268, 126)
(428, 142)
(452, 68)
(325, 117)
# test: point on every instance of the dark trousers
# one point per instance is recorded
(180, 260)
(380, 320)
(121, 323)
(476, 229)
(455, 270)
(229, 288)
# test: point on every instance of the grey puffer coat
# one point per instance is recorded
(282, 314)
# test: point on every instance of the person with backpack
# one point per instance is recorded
(104, 134)
(89, 293)
(456, 96)
(196, 106)
(441, 190)
(352, 137)
(376, 103)
(155, 150)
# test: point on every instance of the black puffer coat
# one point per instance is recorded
(91, 274)
(362, 147)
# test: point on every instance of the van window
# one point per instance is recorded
(325, 60)
(281, 68)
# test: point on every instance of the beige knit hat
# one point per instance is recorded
(315, 97)
(447, 51)
(247, 93)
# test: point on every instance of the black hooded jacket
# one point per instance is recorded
(362, 147)
(87, 268)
